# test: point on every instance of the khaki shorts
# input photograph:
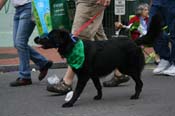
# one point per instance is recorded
(84, 11)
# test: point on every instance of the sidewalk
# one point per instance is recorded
(9, 58)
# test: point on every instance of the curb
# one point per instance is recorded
(10, 68)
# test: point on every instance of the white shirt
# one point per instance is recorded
(20, 2)
(143, 27)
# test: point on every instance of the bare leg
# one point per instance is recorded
(65, 85)
(117, 73)
(69, 76)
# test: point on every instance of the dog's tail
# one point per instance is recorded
(155, 28)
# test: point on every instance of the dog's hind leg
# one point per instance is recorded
(97, 84)
(138, 86)
(79, 88)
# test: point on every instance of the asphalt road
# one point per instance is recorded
(157, 98)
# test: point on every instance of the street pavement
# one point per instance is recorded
(157, 98)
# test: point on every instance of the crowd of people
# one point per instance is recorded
(85, 9)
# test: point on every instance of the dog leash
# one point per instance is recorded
(86, 24)
(76, 58)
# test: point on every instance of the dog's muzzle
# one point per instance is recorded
(46, 42)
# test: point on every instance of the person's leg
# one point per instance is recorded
(162, 48)
(171, 25)
(41, 62)
(116, 80)
(83, 14)
(118, 77)
(95, 30)
(23, 28)
(37, 58)
(84, 11)
(100, 34)
(21, 36)
(161, 45)
(68, 78)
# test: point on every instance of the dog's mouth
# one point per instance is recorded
(46, 46)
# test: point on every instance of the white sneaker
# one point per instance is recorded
(170, 71)
(163, 65)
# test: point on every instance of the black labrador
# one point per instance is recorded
(103, 57)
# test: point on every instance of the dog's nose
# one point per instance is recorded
(36, 40)
(41, 40)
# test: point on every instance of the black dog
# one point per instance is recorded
(103, 57)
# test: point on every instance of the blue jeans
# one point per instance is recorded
(161, 45)
(171, 26)
(23, 28)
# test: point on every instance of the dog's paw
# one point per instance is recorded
(97, 97)
(66, 105)
(134, 97)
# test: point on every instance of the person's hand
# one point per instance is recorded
(104, 2)
(118, 25)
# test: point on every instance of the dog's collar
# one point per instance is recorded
(73, 38)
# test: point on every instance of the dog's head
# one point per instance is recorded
(57, 38)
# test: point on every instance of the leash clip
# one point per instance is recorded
(73, 38)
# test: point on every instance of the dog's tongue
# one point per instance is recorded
(43, 47)
(40, 46)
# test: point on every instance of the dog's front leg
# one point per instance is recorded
(79, 88)
(97, 84)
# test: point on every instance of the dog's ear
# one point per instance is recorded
(65, 34)
(60, 36)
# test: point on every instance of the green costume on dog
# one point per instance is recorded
(76, 57)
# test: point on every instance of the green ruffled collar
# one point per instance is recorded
(76, 57)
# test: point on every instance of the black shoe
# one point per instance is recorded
(116, 80)
(21, 82)
(44, 70)
(61, 88)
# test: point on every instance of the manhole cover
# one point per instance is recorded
(7, 56)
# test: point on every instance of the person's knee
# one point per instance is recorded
(20, 45)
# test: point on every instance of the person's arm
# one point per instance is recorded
(118, 25)
(2, 2)
(104, 2)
